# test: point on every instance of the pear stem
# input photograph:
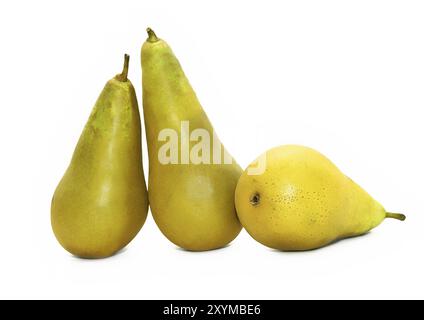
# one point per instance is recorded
(397, 216)
(152, 35)
(124, 75)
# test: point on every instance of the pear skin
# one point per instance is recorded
(101, 202)
(302, 201)
(192, 203)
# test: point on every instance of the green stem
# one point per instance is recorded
(152, 35)
(397, 216)
(124, 75)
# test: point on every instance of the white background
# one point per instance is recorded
(344, 77)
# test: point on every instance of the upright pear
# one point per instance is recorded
(101, 202)
(191, 177)
(302, 201)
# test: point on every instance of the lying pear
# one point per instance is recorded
(302, 201)
(191, 177)
(101, 202)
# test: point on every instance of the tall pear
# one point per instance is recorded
(101, 202)
(191, 177)
(300, 200)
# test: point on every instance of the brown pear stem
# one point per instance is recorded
(124, 75)
(152, 35)
(397, 216)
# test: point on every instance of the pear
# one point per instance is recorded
(101, 202)
(302, 201)
(191, 177)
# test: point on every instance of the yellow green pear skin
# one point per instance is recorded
(192, 204)
(302, 201)
(101, 202)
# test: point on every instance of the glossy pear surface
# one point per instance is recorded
(302, 201)
(192, 204)
(101, 202)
